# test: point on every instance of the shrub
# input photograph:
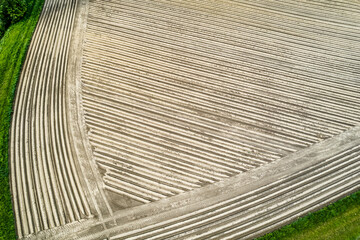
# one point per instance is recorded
(12, 11)
(2, 28)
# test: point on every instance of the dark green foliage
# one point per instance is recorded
(13, 47)
(14, 10)
(11, 11)
(2, 28)
(318, 218)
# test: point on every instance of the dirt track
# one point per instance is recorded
(180, 119)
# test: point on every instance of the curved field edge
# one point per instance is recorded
(13, 48)
(339, 220)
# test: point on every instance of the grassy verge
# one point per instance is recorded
(340, 220)
(13, 47)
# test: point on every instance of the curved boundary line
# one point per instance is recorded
(76, 120)
(136, 218)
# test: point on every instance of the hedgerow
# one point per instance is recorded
(11, 12)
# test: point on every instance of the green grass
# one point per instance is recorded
(340, 220)
(13, 47)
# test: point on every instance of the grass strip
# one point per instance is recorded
(340, 220)
(13, 48)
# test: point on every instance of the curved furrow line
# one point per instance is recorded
(46, 70)
(197, 120)
(188, 8)
(213, 148)
(233, 217)
(313, 197)
(312, 17)
(75, 206)
(289, 89)
(147, 51)
(157, 93)
(252, 52)
(25, 224)
(199, 171)
(55, 216)
(58, 120)
(199, 94)
(81, 203)
(296, 207)
(45, 140)
(54, 16)
(247, 159)
(254, 85)
(80, 206)
(70, 185)
(113, 8)
(183, 111)
(271, 44)
(47, 191)
(210, 129)
(208, 103)
(38, 174)
(229, 20)
(245, 209)
(226, 159)
(147, 175)
(53, 143)
(333, 7)
(140, 162)
(180, 180)
(323, 79)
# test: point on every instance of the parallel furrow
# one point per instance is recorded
(199, 92)
(248, 213)
(45, 182)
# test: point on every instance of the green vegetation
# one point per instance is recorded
(11, 11)
(340, 220)
(13, 47)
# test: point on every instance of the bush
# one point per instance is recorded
(2, 28)
(12, 11)
(16, 10)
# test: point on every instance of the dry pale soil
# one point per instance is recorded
(179, 119)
